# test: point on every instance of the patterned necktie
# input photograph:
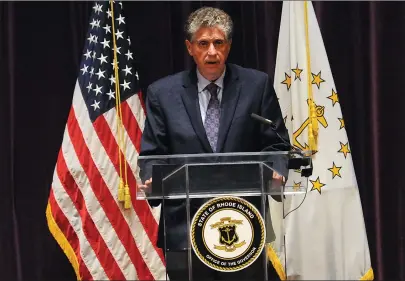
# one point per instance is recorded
(211, 123)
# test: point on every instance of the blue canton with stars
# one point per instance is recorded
(97, 76)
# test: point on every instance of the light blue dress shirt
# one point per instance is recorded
(204, 96)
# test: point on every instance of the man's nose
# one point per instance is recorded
(211, 50)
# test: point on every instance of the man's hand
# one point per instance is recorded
(278, 180)
(276, 176)
(146, 186)
(276, 184)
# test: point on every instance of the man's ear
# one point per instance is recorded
(188, 46)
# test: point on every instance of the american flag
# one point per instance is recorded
(101, 238)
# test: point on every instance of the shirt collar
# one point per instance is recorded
(202, 82)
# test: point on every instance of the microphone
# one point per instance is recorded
(263, 120)
(273, 127)
(294, 163)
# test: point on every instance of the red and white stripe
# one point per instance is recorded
(109, 242)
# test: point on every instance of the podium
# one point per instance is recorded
(215, 219)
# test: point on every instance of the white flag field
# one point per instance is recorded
(325, 238)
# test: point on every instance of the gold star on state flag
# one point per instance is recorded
(334, 97)
(297, 72)
(296, 186)
(335, 171)
(317, 185)
(342, 123)
(344, 148)
(287, 81)
(317, 79)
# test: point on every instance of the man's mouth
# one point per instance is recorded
(212, 62)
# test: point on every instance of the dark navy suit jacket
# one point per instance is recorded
(174, 126)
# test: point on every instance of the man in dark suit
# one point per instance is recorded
(203, 110)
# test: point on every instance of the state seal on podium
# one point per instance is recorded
(227, 233)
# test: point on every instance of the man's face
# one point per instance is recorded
(210, 49)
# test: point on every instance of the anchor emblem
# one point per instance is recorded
(320, 111)
(228, 236)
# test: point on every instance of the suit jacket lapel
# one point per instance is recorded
(230, 97)
(189, 96)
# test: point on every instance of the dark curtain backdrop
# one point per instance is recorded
(41, 45)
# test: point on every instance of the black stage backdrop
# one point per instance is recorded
(41, 45)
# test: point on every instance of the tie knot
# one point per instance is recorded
(212, 88)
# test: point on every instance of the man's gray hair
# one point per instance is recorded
(208, 17)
